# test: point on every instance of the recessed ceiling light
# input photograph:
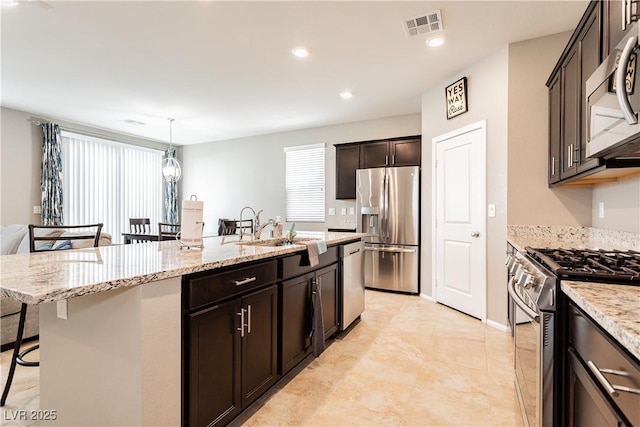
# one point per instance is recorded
(435, 41)
(346, 94)
(300, 52)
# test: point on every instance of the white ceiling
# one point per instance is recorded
(225, 69)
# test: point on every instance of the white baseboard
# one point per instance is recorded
(427, 297)
(498, 326)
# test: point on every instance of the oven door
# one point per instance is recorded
(612, 120)
(527, 358)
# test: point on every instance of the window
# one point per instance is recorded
(110, 182)
(305, 183)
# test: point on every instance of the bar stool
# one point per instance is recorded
(55, 233)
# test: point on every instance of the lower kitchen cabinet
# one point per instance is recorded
(297, 313)
(232, 356)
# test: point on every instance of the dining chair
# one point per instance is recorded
(140, 225)
(44, 238)
(167, 231)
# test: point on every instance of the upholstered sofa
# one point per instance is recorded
(14, 239)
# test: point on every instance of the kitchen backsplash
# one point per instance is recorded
(577, 236)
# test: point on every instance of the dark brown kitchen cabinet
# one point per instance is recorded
(567, 100)
(393, 152)
(297, 313)
(570, 115)
(230, 353)
(232, 356)
(554, 130)
(347, 162)
(603, 379)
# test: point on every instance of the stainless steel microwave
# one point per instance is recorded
(613, 129)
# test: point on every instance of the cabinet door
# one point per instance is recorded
(587, 405)
(405, 152)
(555, 131)
(296, 321)
(613, 19)
(260, 343)
(374, 154)
(570, 115)
(589, 61)
(347, 162)
(214, 396)
(328, 281)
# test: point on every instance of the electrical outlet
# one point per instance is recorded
(601, 210)
(352, 211)
(343, 211)
(492, 211)
(37, 210)
(332, 211)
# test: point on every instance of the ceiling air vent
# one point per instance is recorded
(422, 24)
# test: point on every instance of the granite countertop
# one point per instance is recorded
(56, 275)
(616, 308)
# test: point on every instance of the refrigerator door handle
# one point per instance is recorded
(386, 205)
(396, 250)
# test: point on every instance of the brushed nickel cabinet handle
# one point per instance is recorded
(241, 328)
(601, 379)
(249, 318)
(244, 281)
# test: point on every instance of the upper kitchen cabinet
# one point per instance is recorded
(347, 162)
(600, 29)
(394, 152)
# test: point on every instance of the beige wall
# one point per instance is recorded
(487, 85)
(621, 205)
(531, 201)
(20, 155)
(229, 175)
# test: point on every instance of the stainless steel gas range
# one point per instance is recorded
(538, 321)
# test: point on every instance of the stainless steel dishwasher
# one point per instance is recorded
(352, 264)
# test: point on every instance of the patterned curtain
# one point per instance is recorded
(170, 195)
(51, 176)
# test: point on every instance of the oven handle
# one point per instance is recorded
(621, 79)
(512, 292)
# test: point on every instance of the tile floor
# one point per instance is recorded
(408, 362)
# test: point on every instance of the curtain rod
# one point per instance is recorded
(38, 121)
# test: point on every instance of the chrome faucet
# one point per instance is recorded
(255, 223)
(261, 228)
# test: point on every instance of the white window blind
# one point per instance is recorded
(110, 182)
(305, 183)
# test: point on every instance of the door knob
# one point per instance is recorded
(475, 234)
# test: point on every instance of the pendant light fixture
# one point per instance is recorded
(171, 168)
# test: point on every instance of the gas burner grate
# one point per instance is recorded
(591, 265)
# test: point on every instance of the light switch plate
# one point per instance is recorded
(343, 211)
(352, 211)
(492, 211)
(332, 211)
(601, 210)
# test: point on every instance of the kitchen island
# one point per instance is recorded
(111, 325)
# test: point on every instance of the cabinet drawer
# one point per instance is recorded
(216, 286)
(297, 264)
(618, 368)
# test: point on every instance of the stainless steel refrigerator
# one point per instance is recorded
(388, 211)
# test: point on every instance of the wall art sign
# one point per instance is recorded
(456, 98)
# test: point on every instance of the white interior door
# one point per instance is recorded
(460, 264)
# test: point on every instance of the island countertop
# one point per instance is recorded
(614, 307)
(44, 277)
